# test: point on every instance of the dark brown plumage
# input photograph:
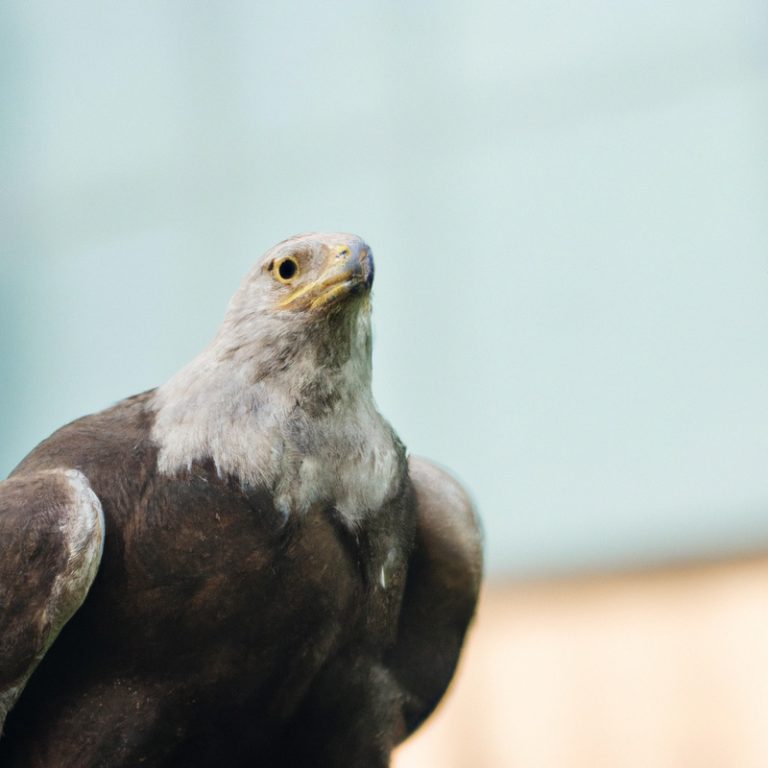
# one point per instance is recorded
(237, 617)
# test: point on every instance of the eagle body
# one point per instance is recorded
(240, 567)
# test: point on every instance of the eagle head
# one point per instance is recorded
(306, 277)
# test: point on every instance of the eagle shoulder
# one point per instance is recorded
(51, 540)
(441, 591)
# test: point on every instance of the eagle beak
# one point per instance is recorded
(348, 270)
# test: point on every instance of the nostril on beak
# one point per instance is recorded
(359, 260)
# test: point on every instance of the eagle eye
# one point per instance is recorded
(287, 269)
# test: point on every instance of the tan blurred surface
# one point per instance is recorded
(661, 669)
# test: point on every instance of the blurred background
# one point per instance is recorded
(568, 205)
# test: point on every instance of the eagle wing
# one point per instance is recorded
(441, 590)
(51, 540)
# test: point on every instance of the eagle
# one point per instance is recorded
(241, 567)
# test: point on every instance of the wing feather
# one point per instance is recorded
(441, 590)
(51, 540)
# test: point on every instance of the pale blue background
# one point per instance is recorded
(568, 203)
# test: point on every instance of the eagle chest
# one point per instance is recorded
(213, 571)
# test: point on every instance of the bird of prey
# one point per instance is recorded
(241, 567)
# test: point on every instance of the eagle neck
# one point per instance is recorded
(290, 412)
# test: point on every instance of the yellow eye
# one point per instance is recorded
(286, 269)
